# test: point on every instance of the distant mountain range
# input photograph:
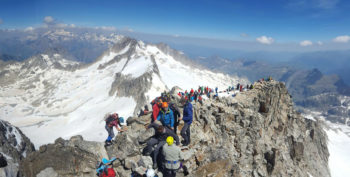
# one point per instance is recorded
(311, 89)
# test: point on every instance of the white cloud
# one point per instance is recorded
(342, 39)
(48, 19)
(1, 21)
(319, 43)
(29, 29)
(265, 40)
(72, 25)
(306, 43)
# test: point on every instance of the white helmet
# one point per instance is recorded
(150, 173)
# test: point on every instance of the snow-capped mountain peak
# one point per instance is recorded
(48, 102)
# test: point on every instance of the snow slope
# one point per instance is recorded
(47, 102)
(339, 146)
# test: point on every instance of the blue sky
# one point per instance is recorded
(243, 20)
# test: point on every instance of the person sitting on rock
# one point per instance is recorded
(166, 116)
(113, 120)
(187, 118)
(158, 139)
(172, 156)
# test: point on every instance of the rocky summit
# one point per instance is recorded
(256, 133)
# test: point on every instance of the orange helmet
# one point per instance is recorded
(164, 105)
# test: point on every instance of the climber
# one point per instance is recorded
(111, 121)
(172, 156)
(166, 116)
(216, 89)
(241, 88)
(187, 118)
(237, 88)
(105, 168)
(158, 139)
(156, 108)
(177, 114)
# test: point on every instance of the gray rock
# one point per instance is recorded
(145, 161)
(47, 172)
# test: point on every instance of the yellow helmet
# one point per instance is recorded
(170, 140)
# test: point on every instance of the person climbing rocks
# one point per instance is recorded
(113, 120)
(156, 108)
(172, 156)
(105, 168)
(241, 88)
(216, 89)
(187, 118)
(166, 116)
(237, 88)
(176, 113)
(158, 140)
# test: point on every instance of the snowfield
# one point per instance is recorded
(339, 150)
(48, 103)
(338, 146)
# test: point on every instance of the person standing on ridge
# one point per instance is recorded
(166, 116)
(172, 156)
(177, 115)
(187, 118)
(156, 109)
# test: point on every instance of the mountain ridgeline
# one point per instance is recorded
(312, 90)
(256, 133)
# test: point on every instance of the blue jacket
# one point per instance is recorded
(167, 118)
(188, 113)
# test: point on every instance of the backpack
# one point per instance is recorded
(109, 120)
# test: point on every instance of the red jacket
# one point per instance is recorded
(111, 173)
(155, 111)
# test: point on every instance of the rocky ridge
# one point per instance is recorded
(14, 146)
(256, 133)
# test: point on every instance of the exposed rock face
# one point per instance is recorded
(75, 157)
(14, 147)
(257, 133)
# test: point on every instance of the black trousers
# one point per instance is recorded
(169, 173)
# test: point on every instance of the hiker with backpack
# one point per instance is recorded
(176, 113)
(105, 168)
(159, 139)
(113, 120)
(172, 156)
(187, 118)
(166, 116)
(156, 108)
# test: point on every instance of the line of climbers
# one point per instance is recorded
(165, 119)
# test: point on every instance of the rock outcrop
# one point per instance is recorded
(75, 157)
(256, 133)
(14, 146)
